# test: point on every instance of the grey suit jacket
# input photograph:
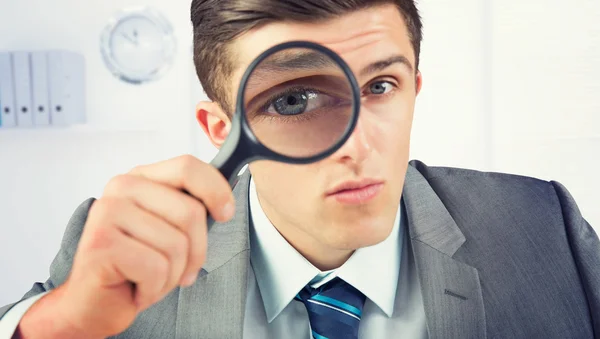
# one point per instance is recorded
(498, 256)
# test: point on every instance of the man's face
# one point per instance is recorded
(296, 198)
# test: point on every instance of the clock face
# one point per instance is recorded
(138, 45)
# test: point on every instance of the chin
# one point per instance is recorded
(356, 226)
(363, 231)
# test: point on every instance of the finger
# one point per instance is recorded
(177, 208)
(174, 206)
(157, 234)
(198, 241)
(199, 179)
(142, 265)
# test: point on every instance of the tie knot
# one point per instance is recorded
(334, 309)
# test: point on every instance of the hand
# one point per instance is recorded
(143, 238)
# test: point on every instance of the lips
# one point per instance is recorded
(353, 185)
(356, 192)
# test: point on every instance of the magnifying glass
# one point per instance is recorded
(298, 103)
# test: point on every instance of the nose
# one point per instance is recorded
(357, 147)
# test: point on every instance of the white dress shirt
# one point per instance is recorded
(385, 273)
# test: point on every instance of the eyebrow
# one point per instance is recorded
(307, 60)
(313, 60)
(304, 60)
(383, 64)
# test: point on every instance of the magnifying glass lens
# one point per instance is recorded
(298, 102)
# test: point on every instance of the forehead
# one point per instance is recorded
(360, 38)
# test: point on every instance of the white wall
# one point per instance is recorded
(545, 94)
(45, 174)
(512, 86)
(490, 101)
(450, 122)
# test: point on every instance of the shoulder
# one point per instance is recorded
(441, 173)
(499, 203)
(63, 261)
(490, 189)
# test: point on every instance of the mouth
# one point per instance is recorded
(356, 192)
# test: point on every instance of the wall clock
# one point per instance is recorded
(138, 45)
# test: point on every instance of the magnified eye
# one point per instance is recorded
(300, 101)
(291, 104)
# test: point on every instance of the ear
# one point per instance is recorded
(214, 121)
(419, 82)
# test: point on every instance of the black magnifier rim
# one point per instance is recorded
(263, 152)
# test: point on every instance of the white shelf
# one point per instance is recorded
(76, 129)
(545, 139)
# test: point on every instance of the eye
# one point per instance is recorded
(290, 104)
(299, 101)
(380, 87)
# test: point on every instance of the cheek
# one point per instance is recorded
(276, 178)
(390, 125)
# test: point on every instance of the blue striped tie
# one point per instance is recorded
(334, 309)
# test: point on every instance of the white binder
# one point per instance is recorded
(23, 90)
(41, 89)
(7, 96)
(67, 87)
(76, 88)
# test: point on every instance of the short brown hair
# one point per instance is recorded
(217, 22)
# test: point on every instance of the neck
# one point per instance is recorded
(323, 257)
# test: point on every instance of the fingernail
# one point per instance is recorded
(228, 210)
(190, 279)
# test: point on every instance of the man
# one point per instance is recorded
(359, 245)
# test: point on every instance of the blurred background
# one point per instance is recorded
(509, 86)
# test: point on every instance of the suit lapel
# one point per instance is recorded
(214, 306)
(451, 289)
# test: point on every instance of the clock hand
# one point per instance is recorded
(136, 36)
(133, 41)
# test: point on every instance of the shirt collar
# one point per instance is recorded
(281, 271)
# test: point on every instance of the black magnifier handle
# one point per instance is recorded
(227, 160)
(227, 163)
(229, 171)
